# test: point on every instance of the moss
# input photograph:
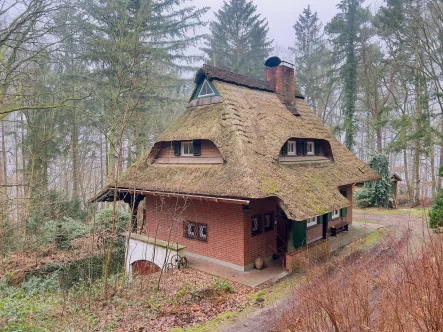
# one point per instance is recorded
(269, 187)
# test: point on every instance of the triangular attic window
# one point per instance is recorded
(205, 90)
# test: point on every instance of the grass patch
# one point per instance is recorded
(415, 212)
(372, 239)
(366, 221)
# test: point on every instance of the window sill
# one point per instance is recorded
(313, 226)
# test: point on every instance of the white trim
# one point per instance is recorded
(311, 221)
(182, 149)
(312, 145)
(208, 94)
(336, 214)
(294, 152)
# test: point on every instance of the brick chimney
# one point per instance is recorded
(282, 81)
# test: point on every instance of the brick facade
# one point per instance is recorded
(229, 229)
(314, 233)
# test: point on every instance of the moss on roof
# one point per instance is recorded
(249, 128)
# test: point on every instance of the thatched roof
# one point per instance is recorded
(249, 127)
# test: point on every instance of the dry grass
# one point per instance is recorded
(390, 287)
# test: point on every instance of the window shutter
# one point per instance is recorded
(305, 147)
(329, 216)
(284, 149)
(176, 146)
(317, 146)
(197, 147)
(299, 147)
(320, 220)
(344, 212)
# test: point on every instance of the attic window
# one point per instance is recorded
(310, 148)
(205, 90)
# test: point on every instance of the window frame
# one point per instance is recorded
(201, 88)
(259, 224)
(203, 239)
(335, 215)
(271, 219)
(182, 149)
(186, 229)
(310, 222)
(195, 235)
(312, 145)
(294, 144)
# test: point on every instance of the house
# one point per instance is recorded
(248, 170)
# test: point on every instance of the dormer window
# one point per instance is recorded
(206, 90)
(310, 148)
(292, 148)
(187, 148)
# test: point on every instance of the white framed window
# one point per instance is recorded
(335, 214)
(311, 222)
(205, 90)
(187, 148)
(292, 148)
(310, 148)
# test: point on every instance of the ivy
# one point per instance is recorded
(376, 193)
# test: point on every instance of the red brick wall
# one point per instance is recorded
(225, 226)
(314, 233)
(265, 243)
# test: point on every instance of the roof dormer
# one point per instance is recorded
(305, 149)
(205, 93)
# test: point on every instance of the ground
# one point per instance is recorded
(274, 300)
(188, 300)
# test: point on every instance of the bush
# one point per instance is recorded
(63, 232)
(376, 193)
(36, 285)
(223, 286)
(436, 213)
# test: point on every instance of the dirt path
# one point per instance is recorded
(264, 318)
(401, 220)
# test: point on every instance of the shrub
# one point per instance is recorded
(63, 232)
(377, 193)
(436, 213)
(223, 286)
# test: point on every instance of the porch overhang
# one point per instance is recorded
(107, 195)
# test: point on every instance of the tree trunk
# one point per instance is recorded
(75, 158)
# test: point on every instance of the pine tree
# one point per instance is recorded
(239, 39)
(344, 30)
(311, 56)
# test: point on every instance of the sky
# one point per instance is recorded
(281, 15)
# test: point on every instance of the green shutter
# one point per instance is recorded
(299, 233)
(299, 144)
(317, 146)
(344, 212)
(176, 146)
(320, 220)
(329, 216)
(305, 147)
(284, 149)
(197, 147)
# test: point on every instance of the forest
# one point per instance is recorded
(86, 87)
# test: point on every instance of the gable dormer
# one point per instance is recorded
(305, 149)
(205, 93)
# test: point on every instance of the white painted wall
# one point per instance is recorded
(139, 250)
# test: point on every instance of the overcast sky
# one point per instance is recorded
(281, 15)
